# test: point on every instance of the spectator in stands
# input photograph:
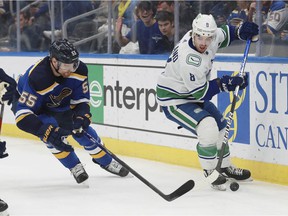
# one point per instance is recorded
(221, 11)
(276, 15)
(284, 35)
(125, 11)
(70, 9)
(29, 34)
(5, 18)
(186, 14)
(165, 21)
(145, 30)
(39, 16)
(240, 13)
(166, 6)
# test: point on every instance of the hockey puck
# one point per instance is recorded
(234, 186)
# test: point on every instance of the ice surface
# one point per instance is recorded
(33, 182)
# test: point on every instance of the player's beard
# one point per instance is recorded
(66, 74)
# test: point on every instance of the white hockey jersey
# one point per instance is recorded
(187, 72)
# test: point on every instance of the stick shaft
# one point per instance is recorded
(177, 193)
(231, 113)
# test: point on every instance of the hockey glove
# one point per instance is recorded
(8, 89)
(55, 136)
(245, 83)
(80, 123)
(3, 154)
(248, 31)
(229, 83)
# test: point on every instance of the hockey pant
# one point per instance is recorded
(205, 121)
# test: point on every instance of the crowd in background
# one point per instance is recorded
(145, 27)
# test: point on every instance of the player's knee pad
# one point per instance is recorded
(207, 131)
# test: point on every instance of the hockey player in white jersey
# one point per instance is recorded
(184, 90)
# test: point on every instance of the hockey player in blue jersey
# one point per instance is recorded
(54, 102)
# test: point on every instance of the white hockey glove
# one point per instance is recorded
(9, 84)
(3, 90)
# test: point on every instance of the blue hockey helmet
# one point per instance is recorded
(64, 52)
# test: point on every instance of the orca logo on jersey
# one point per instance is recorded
(56, 100)
(193, 60)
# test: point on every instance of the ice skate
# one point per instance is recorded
(3, 208)
(79, 173)
(115, 168)
(236, 173)
(216, 179)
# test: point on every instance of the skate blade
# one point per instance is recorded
(250, 179)
(85, 184)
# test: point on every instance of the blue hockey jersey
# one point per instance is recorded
(42, 92)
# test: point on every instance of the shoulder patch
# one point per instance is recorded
(193, 59)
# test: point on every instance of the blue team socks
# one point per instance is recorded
(103, 161)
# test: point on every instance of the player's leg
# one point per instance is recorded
(68, 159)
(65, 120)
(197, 120)
(227, 168)
(98, 155)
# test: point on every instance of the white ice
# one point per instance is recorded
(33, 182)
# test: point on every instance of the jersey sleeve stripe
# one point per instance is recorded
(82, 100)
(77, 76)
(20, 116)
(226, 32)
(50, 88)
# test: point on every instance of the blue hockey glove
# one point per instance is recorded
(229, 83)
(248, 30)
(56, 136)
(3, 154)
(10, 90)
(81, 122)
(245, 83)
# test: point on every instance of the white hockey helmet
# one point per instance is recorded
(204, 25)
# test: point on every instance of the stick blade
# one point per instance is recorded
(187, 186)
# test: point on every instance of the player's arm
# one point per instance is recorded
(29, 103)
(80, 103)
(243, 31)
(201, 89)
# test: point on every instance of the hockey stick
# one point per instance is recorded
(1, 115)
(169, 197)
(231, 113)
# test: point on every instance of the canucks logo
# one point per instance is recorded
(240, 127)
(193, 60)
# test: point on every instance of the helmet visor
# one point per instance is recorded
(68, 67)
